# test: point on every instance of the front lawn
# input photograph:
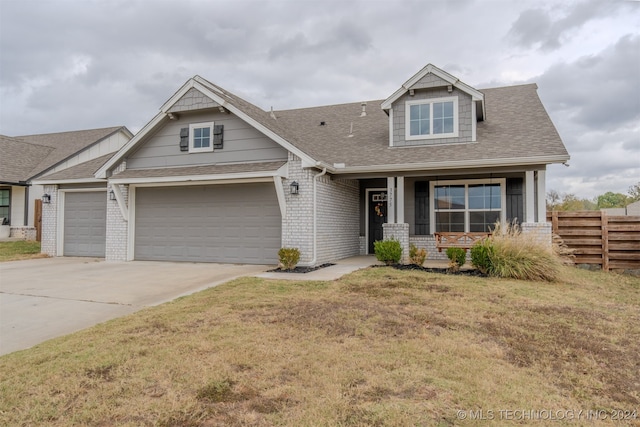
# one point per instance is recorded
(378, 347)
(21, 249)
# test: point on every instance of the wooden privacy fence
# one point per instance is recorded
(613, 242)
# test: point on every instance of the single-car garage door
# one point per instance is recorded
(85, 223)
(237, 223)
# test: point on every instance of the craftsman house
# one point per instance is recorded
(213, 178)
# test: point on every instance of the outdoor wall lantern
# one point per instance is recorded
(46, 198)
(293, 187)
(112, 195)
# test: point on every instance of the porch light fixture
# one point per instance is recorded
(293, 187)
(46, 198)
(112, 195)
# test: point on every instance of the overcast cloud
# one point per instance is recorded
(67, 65)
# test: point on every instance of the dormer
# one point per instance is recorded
(432, 108)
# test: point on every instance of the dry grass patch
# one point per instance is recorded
(378, 347)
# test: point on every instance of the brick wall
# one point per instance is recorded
(49, 221)
(297, 225)
(117, 228)
(541, 230)
(24, 233)
(398, 231)
(338, 219)
(429, 243)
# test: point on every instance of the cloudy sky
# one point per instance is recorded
(79, 64)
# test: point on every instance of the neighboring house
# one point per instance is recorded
(213, 178)
(26, 158)
(632, 209)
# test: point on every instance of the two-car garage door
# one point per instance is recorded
(235, 223)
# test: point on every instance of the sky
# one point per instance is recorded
(82, 64)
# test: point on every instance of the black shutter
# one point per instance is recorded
(217, 136)
(422, 208)
(515, 199)
(184, 139)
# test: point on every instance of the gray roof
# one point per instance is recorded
(62, 145)
(80, 171)
(516, 122)
(200, 170)
(18, 158)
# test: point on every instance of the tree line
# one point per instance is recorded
(570, 202)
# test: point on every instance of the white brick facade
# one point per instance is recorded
(400, 232)
(50, 221)
(24, 233)
(117, 228)
(541, 230)
(428, 243)
(297, 224)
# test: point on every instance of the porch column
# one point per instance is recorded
(391, 200)
(400, 199)
(542, 204)
(529, 193)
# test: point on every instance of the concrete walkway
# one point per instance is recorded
(341, 267)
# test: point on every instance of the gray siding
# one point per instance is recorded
(464, 117)
(193, 100)
(242, 143)
(429, 81)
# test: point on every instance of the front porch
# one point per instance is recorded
(411, 208)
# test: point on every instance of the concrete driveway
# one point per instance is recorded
(45, 298)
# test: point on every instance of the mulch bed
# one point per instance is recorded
(301, 269)
(473, 272)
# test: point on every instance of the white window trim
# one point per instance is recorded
(466, 183)
(430, 101)
(194, 126)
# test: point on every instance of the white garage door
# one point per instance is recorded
(85, 223)
(237, 223)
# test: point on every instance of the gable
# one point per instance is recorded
(430, 80)
(241, 143)
(193, 100)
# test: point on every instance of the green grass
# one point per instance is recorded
(378, 347)
(21, 249)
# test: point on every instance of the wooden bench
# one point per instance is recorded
(458, 240)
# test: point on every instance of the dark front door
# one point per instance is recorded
(377, 216)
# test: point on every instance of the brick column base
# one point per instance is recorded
(399, 232)
(541, 231)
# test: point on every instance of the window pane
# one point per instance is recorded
(437, 110)
(448, 126)
(415, 127)
(482, 221)
(447, 109)
(437, 126)
(484, 196)
(414, 112)
(450, 222)
(450, 197)
(206, 132)
(424, 111)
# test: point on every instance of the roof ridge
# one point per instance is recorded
(70, 131)
(330, 105)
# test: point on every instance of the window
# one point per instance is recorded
(200, 137)
(431, 118)
(471, 206)
(5, 205)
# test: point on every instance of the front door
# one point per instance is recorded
(377, 216)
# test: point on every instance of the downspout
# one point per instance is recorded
(315, 219)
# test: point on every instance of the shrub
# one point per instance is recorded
(511, 254)
(481, 254)
(417, 255)
(457, 257)
(388, 251)
(289, 258)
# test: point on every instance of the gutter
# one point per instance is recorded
(315, 220)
